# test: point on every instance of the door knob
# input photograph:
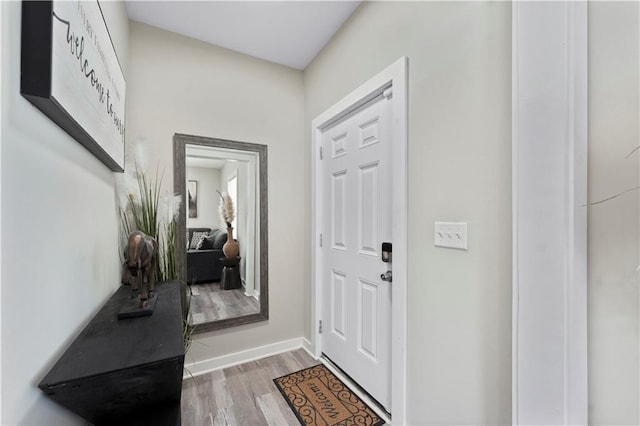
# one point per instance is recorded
(386, 276)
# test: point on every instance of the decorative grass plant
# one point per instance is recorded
(154, 214)
(144, 208)
(226, 209)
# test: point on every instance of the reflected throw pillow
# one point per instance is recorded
(205, 243)
(195, 239)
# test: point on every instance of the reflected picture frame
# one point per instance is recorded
(192, 198)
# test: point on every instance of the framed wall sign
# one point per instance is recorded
(70, 71)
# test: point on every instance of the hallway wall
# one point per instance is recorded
(181, 85)
(614, 229)
(59, 234)
(459, 307)
(459, 169)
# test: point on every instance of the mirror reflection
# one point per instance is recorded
(222, 183)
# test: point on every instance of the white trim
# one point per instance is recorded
(251, 265)
(576, 365)
(515, 271)
(549, 166)
(396, 76)
(307, 346)
(208, 365)
(3, 39)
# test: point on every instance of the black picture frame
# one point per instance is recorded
(90, 67)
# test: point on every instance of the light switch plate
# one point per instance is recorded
(450, 234)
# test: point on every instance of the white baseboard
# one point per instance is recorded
(306, 345)
(206, 366)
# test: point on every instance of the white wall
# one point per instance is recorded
(59, 234)
(613, 250)
(208, 199)
(459, 307)
(459, 303)
(179, 85)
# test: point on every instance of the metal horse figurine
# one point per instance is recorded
(141, 259)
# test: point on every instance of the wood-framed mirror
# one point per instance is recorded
(223, 294)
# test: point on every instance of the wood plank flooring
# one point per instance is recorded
(209, 303)
(244, 395)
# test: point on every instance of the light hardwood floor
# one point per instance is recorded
(244, 395)
(209, 303)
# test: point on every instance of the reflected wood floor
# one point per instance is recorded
(209, 303)
(244, 395)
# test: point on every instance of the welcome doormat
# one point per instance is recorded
(317, 397)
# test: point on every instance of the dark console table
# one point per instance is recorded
(124, 372)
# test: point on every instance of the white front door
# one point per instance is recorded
(355, 173)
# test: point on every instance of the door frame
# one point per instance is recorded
(395, 77)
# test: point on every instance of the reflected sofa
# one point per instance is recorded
(204, 250)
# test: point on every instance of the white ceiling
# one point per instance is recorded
(290, 33)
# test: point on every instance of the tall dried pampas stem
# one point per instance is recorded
(226, 209)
